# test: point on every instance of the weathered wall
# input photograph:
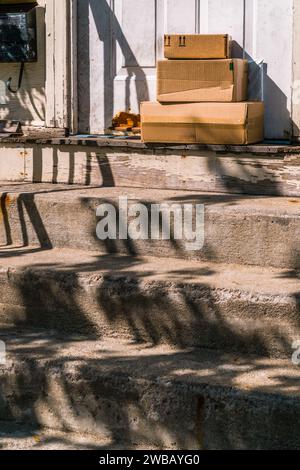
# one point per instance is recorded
(120, 41)
(296, 71)
(28, 105)
(257, 170)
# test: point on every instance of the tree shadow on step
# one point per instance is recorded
(133, 396)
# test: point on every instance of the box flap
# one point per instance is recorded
(217, 94)
(173, 85)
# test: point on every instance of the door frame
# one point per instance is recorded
(61, 65)
(296, 74)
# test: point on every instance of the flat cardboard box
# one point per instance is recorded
(193, 81)
(197, 46)
(203, 123)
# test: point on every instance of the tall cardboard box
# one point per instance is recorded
(202, 80)
(197, 46)
(203, 123)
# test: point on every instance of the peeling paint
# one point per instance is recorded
(190, 170)
(5, 202)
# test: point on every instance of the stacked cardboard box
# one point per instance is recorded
(202, 95)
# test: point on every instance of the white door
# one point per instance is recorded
(120, 41)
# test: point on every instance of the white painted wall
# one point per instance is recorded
(120, 41)
(28, 105)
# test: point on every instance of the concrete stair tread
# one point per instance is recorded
(17, 436)
(21, 437)
(191, 367)
(262, 231)
(252, 279)
(154, 300)
(116, 391)
(230, 202)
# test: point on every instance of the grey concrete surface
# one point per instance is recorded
(158, 396)
(100, 337)
(21, 437)
(261, 231)
(16, 436)
(178, 302)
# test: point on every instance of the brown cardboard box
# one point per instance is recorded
(197, 46)
(203, 123)
(191, 81)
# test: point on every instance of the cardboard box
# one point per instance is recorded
(180, 81)
(197, 46)
(203, 123)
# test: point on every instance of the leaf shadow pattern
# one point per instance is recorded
(65, 373)
(69, 374)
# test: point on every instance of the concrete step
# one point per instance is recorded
(261, 231)
(18, 436)
(155, 396)
(178, 302)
